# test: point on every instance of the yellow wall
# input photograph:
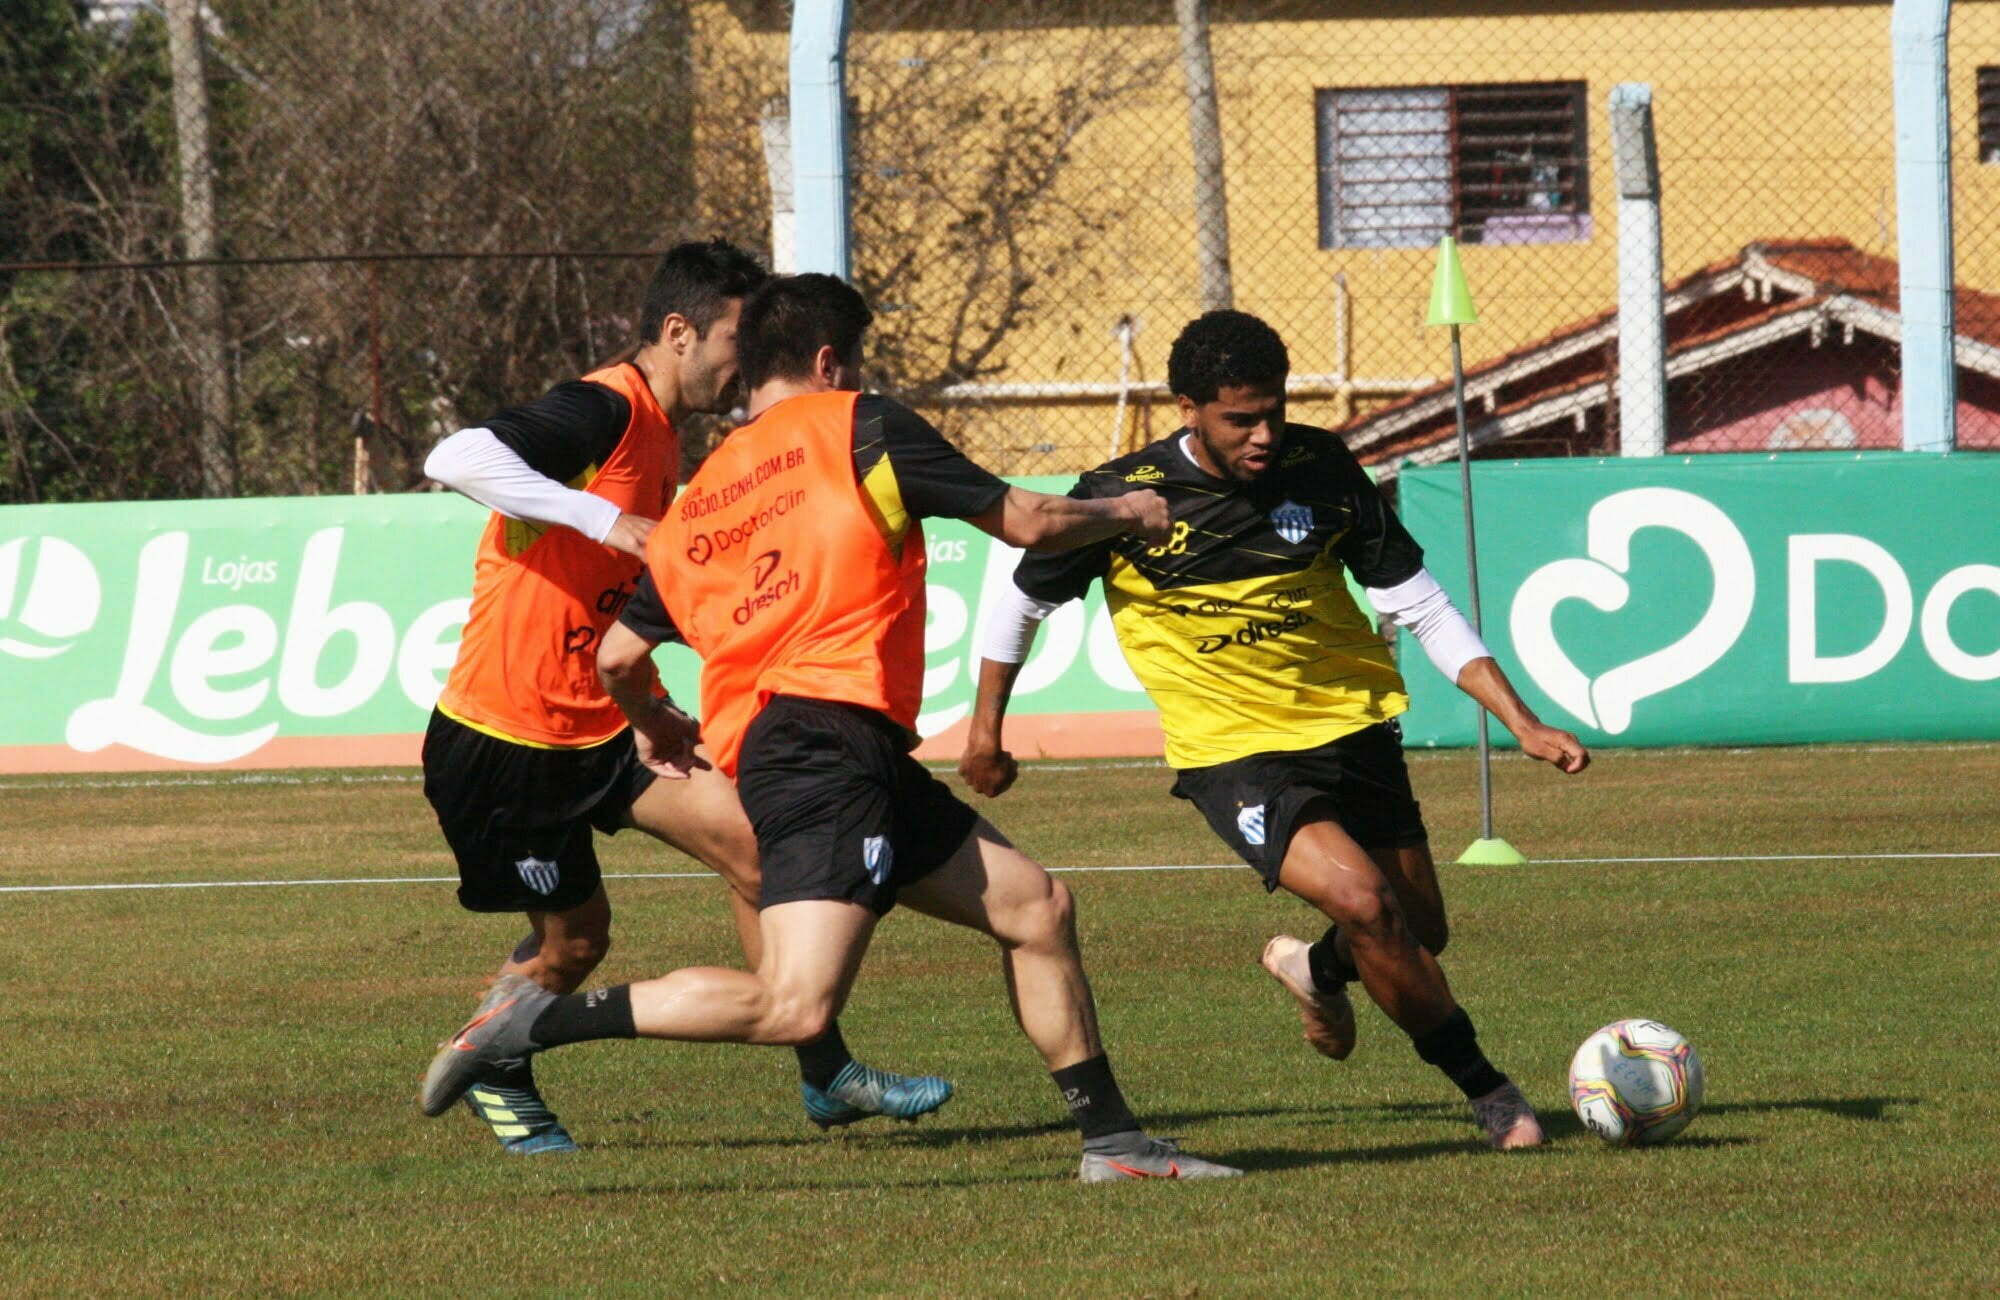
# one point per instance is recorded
(1774, 122)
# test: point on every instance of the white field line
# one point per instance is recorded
(1202, 866)
(198, 779)
(1418, 754)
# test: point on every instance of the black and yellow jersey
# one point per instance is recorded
(1241, 626)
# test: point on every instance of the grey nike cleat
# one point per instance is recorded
(1153, 1158)
(493, 1039)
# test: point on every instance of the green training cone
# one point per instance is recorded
(1495, 852)
(1451, 300)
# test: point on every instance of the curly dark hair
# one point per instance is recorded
(1226, 349)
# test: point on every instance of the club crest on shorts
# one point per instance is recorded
(1292, 520)
(1250, 824)
(878, 857)
(539, 874)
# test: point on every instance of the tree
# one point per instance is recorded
(84, 166)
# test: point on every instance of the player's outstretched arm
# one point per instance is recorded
(1483, 680)
(1037, 521)
(1010, 634)
(664, 735)
(476, 464)
(987, 767)
(1419, 606)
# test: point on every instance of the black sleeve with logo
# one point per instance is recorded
(565, 431)
(1377, 549)
(934, 478)
(646, 614)
(1067, 575)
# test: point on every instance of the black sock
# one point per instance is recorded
(515, 1074)
(1454, 1048)
(581, 1017)
(1093, 1098)
(1329, 972)
(822, 1060)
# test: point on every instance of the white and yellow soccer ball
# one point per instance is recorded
(1635, 1083)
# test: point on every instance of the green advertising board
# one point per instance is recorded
(1706, 600)
(1726, 599)
(319, 630)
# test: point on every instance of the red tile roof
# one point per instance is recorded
(1809, 272)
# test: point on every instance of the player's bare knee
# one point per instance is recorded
(1425, 919)
(576, 955)
(792, 1021)
(1366, 913)
(1062, 904)
(1050, 921)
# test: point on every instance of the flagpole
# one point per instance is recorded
(1472, 575)
(1451, 304)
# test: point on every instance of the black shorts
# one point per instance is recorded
(1254, 803)
(840, 808)
(518, 818)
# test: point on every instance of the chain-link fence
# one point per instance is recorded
(1354, 136)
(282, 246)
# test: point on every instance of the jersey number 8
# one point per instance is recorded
(1176, 543)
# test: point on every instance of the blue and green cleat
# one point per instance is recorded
(859, 1092)
(519, 1118)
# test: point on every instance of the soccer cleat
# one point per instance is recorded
(858, 1092)
(1154, 1158)
(519, 1118)
(1328, 1017)
(1508, 1119)
(494, 1039)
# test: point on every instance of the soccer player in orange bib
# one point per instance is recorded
(525, 753)
(793, 563)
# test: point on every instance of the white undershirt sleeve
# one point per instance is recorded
(1421, 607)
(475, 463)
(1011, 627)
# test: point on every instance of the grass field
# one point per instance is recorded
(211, 1090)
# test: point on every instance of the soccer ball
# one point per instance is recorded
(1635, 1082)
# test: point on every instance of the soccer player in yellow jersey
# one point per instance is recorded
(1277, 696)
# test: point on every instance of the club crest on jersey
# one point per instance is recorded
(878, 856)
(1292, 520)
(539, 874)
(1250, 824)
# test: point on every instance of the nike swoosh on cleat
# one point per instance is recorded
(1173, 1170)
(458, 1042)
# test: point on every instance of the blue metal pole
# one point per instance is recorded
(819, 135)
(1919, 33)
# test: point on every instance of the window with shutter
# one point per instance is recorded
(1504, 163)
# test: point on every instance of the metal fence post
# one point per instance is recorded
(1642, 325)
(819, 137)
(1211, 197)
(1920, 31)
(198, 234)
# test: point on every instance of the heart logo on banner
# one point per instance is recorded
(1606, 703)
